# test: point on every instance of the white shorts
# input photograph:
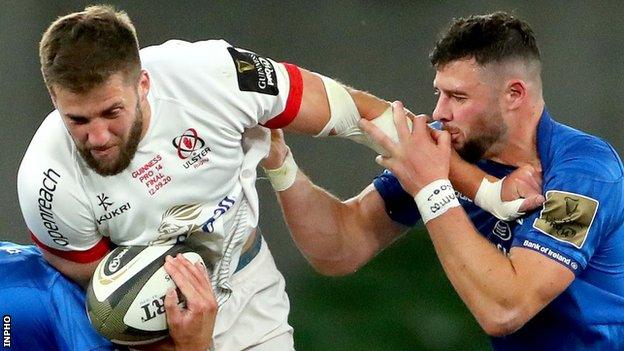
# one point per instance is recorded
(255, 317)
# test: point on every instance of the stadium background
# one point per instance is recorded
(402, 300)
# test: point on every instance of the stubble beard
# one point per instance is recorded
(492, 129)
(126, 150)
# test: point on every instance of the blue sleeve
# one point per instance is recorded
(72, 326)
(400, 205)
(42, 308)
(26, 313)
(583, 207)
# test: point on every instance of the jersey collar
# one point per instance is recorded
(544, 138)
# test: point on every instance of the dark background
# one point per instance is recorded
(402, 300)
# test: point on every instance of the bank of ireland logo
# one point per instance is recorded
(187, 143)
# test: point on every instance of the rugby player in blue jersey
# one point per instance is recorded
(43, 310)
(553, 279)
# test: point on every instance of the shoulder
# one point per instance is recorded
(49, 181)
(23, 267)
(51, 137)
(46, 310)
(184, 71)
(178, 54)
(50, 142)
(584, 155)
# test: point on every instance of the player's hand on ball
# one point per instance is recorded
(190, 328)
(278, 152)
(525, 182)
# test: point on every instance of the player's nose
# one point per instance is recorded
(98, 134)
(442, 112)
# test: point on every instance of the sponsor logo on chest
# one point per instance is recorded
(502, 230)
(111, 211)
(191, 148)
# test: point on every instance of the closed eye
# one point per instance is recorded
(459, 98)
(78, 120)
(112, 113)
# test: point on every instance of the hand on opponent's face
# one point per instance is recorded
(419, 157)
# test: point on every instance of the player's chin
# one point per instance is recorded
(105, 155)
(109, 167)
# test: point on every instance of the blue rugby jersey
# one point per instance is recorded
(581, 226)
(42, 308)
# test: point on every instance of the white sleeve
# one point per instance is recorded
(51, 198)
(213, 74)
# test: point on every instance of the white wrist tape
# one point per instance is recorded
(385, 122)
(488, 197)
(344, 118)
(435, 198)
(283, 177)
(344, 115)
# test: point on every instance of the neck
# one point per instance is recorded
(520, 144)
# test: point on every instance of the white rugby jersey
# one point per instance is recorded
(193, 172)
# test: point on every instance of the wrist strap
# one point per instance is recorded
(435, 198)
(488, 197)
(283, 177)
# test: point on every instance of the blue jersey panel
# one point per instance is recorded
(400, 206)
(46, 311)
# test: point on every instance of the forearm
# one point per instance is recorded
(496, 292)
(466, 177)
(336, 236)
(368, 105)
(316, 222)
(80, 273)
(507, 199)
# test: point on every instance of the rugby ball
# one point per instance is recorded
(126, 295)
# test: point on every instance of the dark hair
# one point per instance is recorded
(82, 50)
(489, 38)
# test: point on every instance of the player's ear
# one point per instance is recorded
(144, 84)
(515, 93)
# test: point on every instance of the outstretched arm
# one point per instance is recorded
(330, 108)
(337, 237)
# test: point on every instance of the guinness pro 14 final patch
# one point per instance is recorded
(567, 216)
